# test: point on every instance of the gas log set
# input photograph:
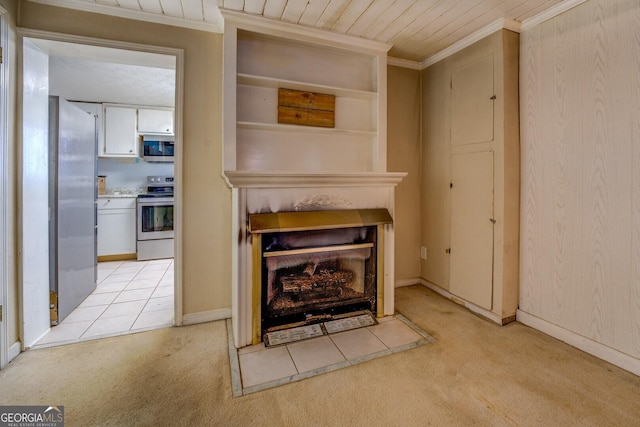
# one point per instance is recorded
(314, 266)
(311, 275)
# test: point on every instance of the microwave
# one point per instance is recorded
(157, 148)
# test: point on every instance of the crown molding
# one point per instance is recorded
(120, 12)
(552, 12)
(405, 63)
(506, 23)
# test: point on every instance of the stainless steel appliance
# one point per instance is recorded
(72, 206)
(157, 148)
(155, 219)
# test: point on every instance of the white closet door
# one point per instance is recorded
(472, 227)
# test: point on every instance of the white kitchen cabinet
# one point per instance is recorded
(155, 120)
(120, 136)
(116, 226)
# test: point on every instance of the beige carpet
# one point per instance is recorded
(476, 373)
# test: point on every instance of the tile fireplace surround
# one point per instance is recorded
(259, 192)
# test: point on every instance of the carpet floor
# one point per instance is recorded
(475, 373)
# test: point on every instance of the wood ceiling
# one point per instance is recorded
(417, 29)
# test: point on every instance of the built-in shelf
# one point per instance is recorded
(260, 60)
(269, 82)
(305, 129)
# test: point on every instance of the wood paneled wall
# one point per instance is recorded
(580, 192)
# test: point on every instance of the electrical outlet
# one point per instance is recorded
(423, 252)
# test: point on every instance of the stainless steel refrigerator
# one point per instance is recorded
(72, 206)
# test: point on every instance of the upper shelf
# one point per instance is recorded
(305, 129)
(269, 82)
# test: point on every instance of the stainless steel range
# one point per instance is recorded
(155, 219)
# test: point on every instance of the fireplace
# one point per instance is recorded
(310, 267)
(267, 203)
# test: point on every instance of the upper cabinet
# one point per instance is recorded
(153, 120)
(120, 136)
(262, 57)
(121, 126)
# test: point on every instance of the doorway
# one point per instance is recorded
(88, 59)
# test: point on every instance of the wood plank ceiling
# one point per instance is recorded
(417, 29)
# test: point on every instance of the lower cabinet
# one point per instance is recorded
(116, 226)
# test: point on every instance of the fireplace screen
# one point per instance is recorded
(310, 276)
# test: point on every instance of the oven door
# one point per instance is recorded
(155, 218)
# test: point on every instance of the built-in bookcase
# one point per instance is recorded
(261, 57)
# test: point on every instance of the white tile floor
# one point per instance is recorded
(130, 296)
(261, 368)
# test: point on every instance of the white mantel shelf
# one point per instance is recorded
(255, 179)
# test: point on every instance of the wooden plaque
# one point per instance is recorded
(306, 108)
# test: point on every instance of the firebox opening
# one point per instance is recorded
(315, 275)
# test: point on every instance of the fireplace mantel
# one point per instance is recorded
(254, 179)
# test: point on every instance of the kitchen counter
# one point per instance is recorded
(122, 193)
(117, 196)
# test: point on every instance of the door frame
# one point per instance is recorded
(4, 186)
(24, 33)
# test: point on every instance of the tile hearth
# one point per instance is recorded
(256, 368)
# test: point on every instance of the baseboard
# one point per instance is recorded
(14, 350)
(470, 306)
(407, 282)
(117, 257)
(206, 316)
(587, 345)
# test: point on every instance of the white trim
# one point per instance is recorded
(120, 12)
(5, 354)
(178, 167)
(505, 23)
(547, 14)
(298, 32)
(580, 342)
(178, 131)
(248, 179)
(14, 350)
(404, 63)
(407, 282)
(92, 41)
(206, 316)
(472, 307)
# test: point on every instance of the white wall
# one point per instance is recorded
(580, 202)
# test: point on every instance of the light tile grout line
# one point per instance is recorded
(236, 379)
(82, 338)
